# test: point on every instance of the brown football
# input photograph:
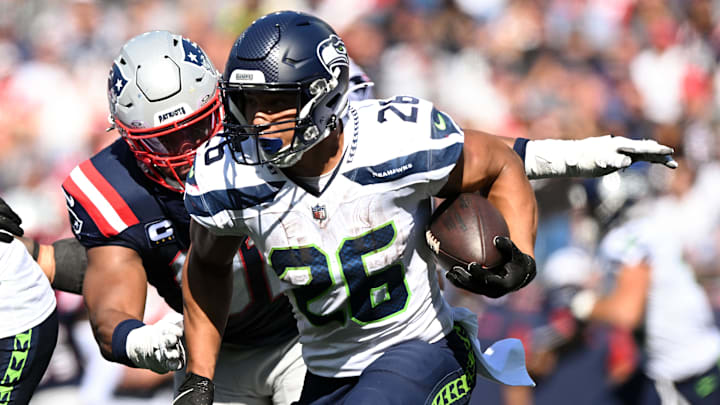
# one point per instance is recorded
(462, 230)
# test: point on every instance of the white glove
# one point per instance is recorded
(591, 157)
(156, 347)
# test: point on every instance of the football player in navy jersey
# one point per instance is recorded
(126, 208)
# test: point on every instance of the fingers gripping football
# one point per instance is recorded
(516, 272)
(157, 347)
(519, 267)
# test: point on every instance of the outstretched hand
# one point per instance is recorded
(9, 223)
(610, 153)
(646, 150)
(592, 157)
(517, 271)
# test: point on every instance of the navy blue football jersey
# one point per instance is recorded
(111, 202)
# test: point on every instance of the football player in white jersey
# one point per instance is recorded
(28, 320)
(655, 288)
(337, 197)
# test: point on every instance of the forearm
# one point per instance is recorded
(512, 195)
(488, 164)
(206, 302)
(42, 254)
(615, 310)
(103, 323)
(624, 307)
(64, 262)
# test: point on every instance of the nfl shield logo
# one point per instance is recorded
(319, 212)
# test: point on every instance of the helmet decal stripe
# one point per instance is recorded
(193, 54)
(116, 81)
(104, 200)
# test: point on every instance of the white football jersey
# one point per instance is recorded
(681, 338)
(26, 298)
(352, 258)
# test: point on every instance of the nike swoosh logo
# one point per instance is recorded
(182, 394)
(441, 124)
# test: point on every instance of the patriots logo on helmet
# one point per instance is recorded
(332, 53)
(193, 54)
(116, 81)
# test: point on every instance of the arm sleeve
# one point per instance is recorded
(70, 265)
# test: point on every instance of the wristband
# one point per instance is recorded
(520, 146)
(119, 341)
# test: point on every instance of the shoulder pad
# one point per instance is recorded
(107, 193)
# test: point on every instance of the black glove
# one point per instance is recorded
(9, 222)
(195, 390)
(517, 271)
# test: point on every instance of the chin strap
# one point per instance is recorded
(111, 121)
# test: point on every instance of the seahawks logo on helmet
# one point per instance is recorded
(332, 53)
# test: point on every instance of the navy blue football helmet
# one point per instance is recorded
(284, 60)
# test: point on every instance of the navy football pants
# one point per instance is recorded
(412, 372)
(24, 359)
(703, 389)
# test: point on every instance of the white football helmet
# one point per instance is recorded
(164, 99)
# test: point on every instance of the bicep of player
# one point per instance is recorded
(114, 289)
(210, 248)
(488, 164)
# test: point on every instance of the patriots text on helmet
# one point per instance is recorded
(177, 111)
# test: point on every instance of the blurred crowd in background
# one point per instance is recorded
(533, 68)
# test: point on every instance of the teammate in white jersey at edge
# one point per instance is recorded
(28, 319)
